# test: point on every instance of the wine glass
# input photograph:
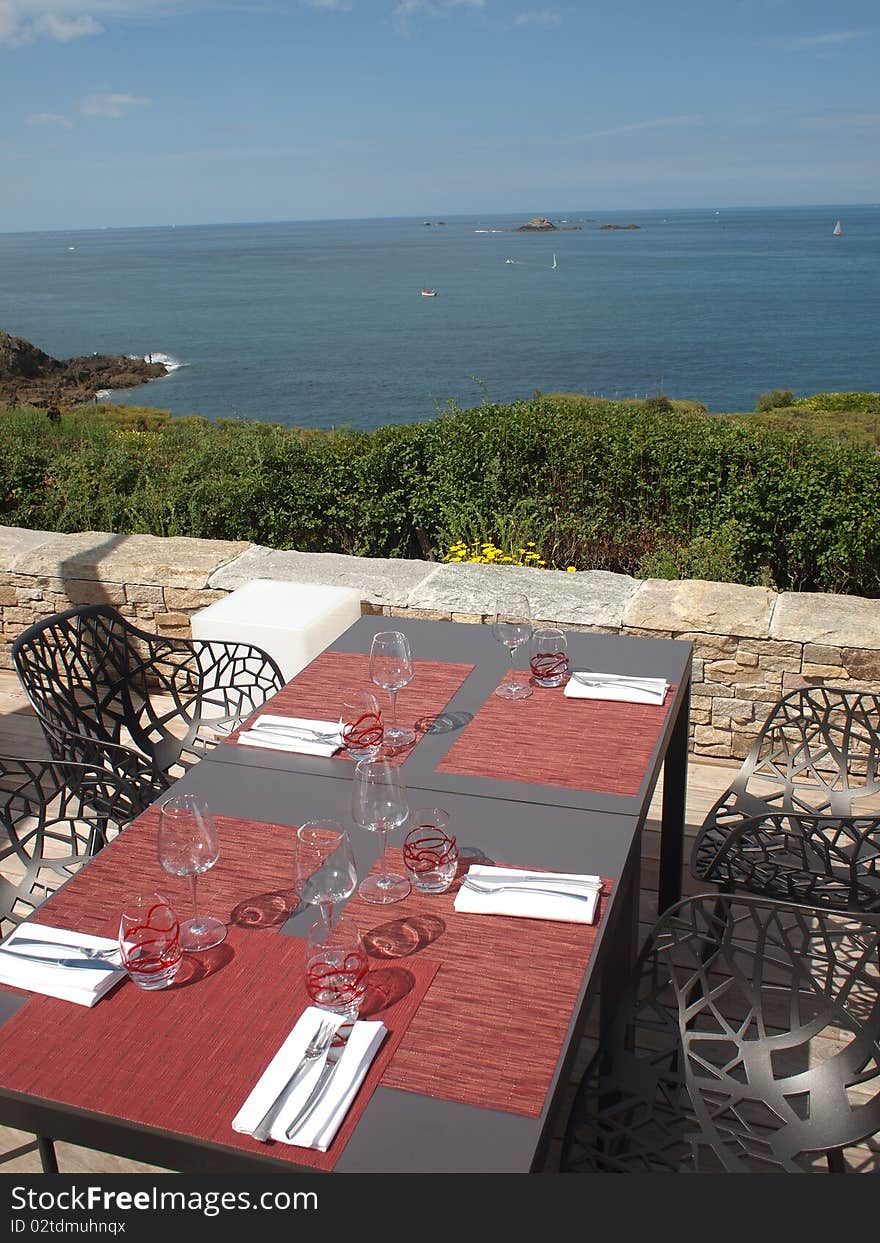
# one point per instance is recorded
(378, 803)
(323, 866)
(188, 845)
(513, 628)
(360, 725)
(391, 668)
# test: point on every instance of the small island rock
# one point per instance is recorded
(538, 224)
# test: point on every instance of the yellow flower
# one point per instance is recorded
(571, 569)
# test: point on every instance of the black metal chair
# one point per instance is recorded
(53, 818)
(747, 1041)
(91, 675)
(801, 822)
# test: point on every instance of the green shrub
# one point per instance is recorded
(596, 484)
(777, 399)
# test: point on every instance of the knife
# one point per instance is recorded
(541, 879)
(98, 963)
(319, 1091)
(651, 686)
(300, 731)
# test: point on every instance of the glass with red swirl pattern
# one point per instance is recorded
(337, 967)
(430, 853)
(548, 656)
(360, 725)
(149, 939)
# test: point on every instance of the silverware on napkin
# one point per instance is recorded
(296, 731)
(652, 686)
(317, 1047)
(548, 891)
(319, 1091)
(96, 963)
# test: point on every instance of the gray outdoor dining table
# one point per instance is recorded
(257, 796)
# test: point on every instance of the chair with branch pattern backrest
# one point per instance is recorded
(801, 821)
(54, 816)
(748, 1040)
(91, 674)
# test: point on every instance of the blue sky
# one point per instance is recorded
(138, 112)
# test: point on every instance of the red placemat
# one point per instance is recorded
(185, 1058)
(491, 1028)
(583, 744)
(319, 689)
(250, 886)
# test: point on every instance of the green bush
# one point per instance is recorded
(777, 399)
(596, 484)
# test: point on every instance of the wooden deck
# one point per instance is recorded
(20, 736)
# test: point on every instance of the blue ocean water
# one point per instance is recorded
(322, 324)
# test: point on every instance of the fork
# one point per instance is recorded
(296, 731)
(546, 891)
(318, 1046)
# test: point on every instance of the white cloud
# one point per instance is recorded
(655, 123)
(832, 39)
(49, 118)
(66, 29)
(62, 21)
(832, 122)
(109, 105)
(537, 17)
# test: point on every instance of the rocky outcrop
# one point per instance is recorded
(28, 376)
(538, 224)
(624, 227)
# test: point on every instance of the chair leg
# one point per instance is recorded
(46, 1149)
(836, 1163)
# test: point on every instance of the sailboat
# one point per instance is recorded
(837, 230)
(553, 264)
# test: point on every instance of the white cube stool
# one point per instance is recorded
(293, 622)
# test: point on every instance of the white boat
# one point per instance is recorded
(510, 261)
(429, 293)
(837, 230)
(553, 264)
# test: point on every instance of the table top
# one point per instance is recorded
(399, 1131)
(475, 645)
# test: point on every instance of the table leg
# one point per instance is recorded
(673, 813)
(624, 942)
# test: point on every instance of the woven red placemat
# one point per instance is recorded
(250, 886)
(491, 1029)
(319, 689)
(583, 744)
(185, 1058)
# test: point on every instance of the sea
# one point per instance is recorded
(323, 324)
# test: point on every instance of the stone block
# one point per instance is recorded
(590, 597)
(861, 663)
(177, 598)
(780, 664)
(711, 646)
(725, 711)
(697, 605)
(103, 557)
(172, 621)
(90, 591)
(144, 593)
(380, 580)
(9, 595)
(824, 673)
(822, 654)
(835, 621)
(747, 660)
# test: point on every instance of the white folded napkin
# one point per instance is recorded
(520, 900)
(277, 740)
(584, 684)
(84, 985)
(318, 1130)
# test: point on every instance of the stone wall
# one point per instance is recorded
(750, 644)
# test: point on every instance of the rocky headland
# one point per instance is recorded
(30, 377)
(540, 224)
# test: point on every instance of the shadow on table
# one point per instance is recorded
(265, 910)
(386, 986)
(197, 967)
(399, 938)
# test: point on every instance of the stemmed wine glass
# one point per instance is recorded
(513, 628)
(378, 802)
(188, 845)
(391, 667)
(323, 867)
